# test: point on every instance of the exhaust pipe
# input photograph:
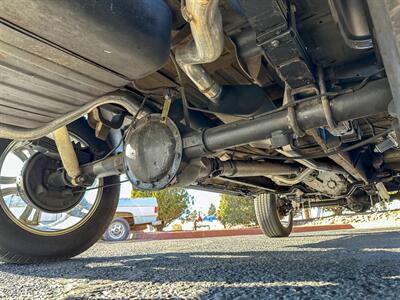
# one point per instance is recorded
(207, 45)
(237, 168)
(253, 168)
(281, 180)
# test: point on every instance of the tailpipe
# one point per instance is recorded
(207, 45)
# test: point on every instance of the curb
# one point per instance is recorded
(153, 236)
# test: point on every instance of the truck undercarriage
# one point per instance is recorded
(293, 102)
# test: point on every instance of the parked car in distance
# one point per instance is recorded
(132, 214)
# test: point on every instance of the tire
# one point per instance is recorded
(109, 236)
(360, 207)
(21, 246)
(266, 208)
(360, 202)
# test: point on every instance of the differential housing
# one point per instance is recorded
(152, 153)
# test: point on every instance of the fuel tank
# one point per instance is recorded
(56, 56)
(129, 37)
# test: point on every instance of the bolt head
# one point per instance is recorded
(331, 184)
(275, 43)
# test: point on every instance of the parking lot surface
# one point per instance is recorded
(336, 264)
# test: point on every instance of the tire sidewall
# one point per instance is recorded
(19, 245)
(268, 217)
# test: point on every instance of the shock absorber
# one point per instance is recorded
(67, 154)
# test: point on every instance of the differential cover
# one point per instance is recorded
(153, 152)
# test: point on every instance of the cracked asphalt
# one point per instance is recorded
(349, 264)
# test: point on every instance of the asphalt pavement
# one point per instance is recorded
(349, 264)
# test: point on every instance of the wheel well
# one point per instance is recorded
(127, 216)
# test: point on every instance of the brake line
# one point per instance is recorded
(99, 187)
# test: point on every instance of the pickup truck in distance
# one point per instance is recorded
(132, 214)
(295, 103)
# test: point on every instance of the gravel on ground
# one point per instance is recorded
(350, 264)
(392, 217)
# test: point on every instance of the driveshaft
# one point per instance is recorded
(372, 99)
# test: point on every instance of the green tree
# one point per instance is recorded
(235, 210)
(212, 210)
(191, 216)
(172, 203)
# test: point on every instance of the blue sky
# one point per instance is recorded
(203, 200)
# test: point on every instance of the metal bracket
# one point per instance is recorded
(95, 121)
(288, 100)
(275, 26)
(195, 141)
(166, 107)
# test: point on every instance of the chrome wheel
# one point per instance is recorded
(20, 209)
(60, 229)
(116, 230)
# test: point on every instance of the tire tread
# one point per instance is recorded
(267, 216)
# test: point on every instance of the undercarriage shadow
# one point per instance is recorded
(352, 261)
